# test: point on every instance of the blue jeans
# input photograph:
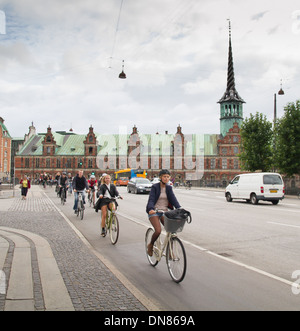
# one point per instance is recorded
(76, 198)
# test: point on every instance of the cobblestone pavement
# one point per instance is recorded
(90, 284)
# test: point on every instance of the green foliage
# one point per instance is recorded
(288, 140)
(256, 143)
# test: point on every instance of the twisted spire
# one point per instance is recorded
(231, 92)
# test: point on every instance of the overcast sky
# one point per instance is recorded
(60, 61)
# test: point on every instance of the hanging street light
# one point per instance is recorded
(122, 74)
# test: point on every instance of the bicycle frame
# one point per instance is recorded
(109, 216)
(160, 247)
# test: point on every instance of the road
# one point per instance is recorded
(240, 256)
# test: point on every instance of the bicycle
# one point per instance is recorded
(63, 195)
(80, 205)
(112, 223)
(91, 197)
(172, 248)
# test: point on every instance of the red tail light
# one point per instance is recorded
(283, 190)
(261, 189)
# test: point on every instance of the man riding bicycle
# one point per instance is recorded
(79, 184)
(92, 182)
(63, 184)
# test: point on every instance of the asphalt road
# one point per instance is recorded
(240, 256)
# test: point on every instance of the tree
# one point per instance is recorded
(256, 143)
(288, 140)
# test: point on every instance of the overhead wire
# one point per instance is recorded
(116, 32)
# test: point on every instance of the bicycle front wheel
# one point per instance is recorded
(81, 211)
(114, 230)
(176, 259)
(152, 259)
(62, 197)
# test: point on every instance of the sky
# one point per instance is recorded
(60, 62)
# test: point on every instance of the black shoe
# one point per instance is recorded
(75, 211)
(103, 233)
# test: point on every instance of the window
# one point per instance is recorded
(224, 163)
(235, 180)
(272, 179)
(235, 150)
(68, 163)
(48, 150)
(90, 150)
(90, 139)
(236, 163)
(47, 163)
(26, 163)
(58, 163)
(90, 163)
(213, 164)
(37, 163)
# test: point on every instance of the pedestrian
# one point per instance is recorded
(25, 186)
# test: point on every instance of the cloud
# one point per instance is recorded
(60, 61)
(258, 16)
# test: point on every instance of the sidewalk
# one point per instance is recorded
(46, 265)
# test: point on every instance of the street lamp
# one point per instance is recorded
(280, 92)
(122, 74)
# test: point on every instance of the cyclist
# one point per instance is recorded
(100, 182)
(161, 197)
(107, 191)
(79, 184)
(92, 187)
(63, 184)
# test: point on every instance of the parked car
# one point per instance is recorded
(139, 185)
(155, 180)
(265, 186)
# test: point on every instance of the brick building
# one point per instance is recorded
(5, 152)
(212, 157)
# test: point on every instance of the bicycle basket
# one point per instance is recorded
(173, 225)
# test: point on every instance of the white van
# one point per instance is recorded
(267, 186)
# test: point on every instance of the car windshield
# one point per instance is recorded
(272, 179)
(142, 181)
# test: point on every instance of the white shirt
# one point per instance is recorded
(106, 194)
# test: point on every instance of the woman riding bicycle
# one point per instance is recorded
(161, 197)
(107, 192)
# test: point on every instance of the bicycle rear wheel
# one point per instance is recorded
(176, 259)
(152, 259)
(114, 229)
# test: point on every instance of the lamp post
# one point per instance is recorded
(280, 92)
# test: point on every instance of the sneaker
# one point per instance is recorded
(103, 232)
(75, 211)
(150, 249)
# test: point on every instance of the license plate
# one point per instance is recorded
(273, 191)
